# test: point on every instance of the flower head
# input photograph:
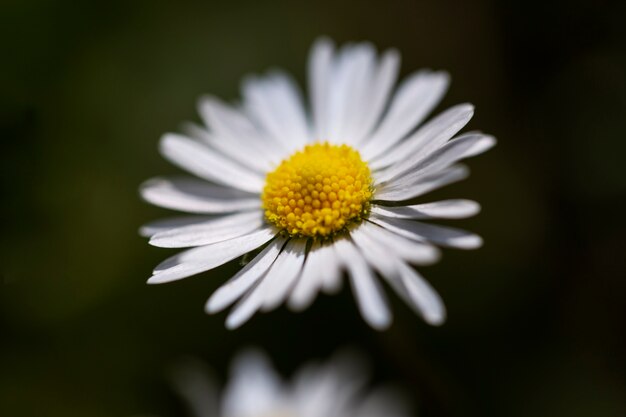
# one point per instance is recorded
(315, 194)
(337, 388)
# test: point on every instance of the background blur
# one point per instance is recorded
(536, 317)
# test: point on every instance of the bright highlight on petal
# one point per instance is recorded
(318, 191)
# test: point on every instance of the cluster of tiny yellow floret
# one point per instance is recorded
(318, 191)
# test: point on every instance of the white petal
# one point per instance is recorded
(351, 87)
(375, 255)
(162, 225)
(406, 188)
(211, 231)
(427, 139)
(444, 236)
(446, 209)
(196, 196)
(329, 390)
(283, 274)
(230, 122)
(205, 163)
(424, 298)
(196, 260)
(421, 253)
(234, 124)
(321, 271)
(379, 91)
(319, 70)
(309, 282)
(367, 290)
(462, 147)
(345, 65)
(407, 283)
(274, 102)
(331, 274)
(249, 153)
(255, 297)
(273, 288)
(245, 278)
(245, 308)
(413, 101)
(254, 387)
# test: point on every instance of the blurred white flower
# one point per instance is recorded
(322, 192)
(334, 389)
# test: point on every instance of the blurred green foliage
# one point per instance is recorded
(536, 317)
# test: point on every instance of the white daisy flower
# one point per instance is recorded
(334, 389)
(321, 192)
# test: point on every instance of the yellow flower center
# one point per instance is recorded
(318, 191)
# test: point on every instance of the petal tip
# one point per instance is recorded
(232, 324)
(435, 319)
(211, 307)
(382, 324)
(469, 242)
(154, 279)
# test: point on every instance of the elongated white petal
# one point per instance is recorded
(444, 236)
(196, 254)
(210, 231)
(168, 223)
(274, 102)
(196, 196)
(233, 124)
(245, 308)
(379, 91)
(345, 70)
(230, 122)
(375, 254)
(254, 387)
(424, 298)
(245, 152)
(273, 288)
(462, 147)
(407, 283)
(406, 188)
(203, 162)
(331, 274)
(329, 390)
(319, 69)
(309, 282)
(245, 278)
(413, 101)
(427, 139)
(283, 274)
(350, 97)
(446, 209)
(420, 253)
(321, 271)
(203, 258)
(367, 290)
(288, 94)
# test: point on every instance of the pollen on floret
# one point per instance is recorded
(318, 191)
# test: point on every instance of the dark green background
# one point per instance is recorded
(536, 317)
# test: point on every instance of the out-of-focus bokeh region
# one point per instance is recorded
(536, 317)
